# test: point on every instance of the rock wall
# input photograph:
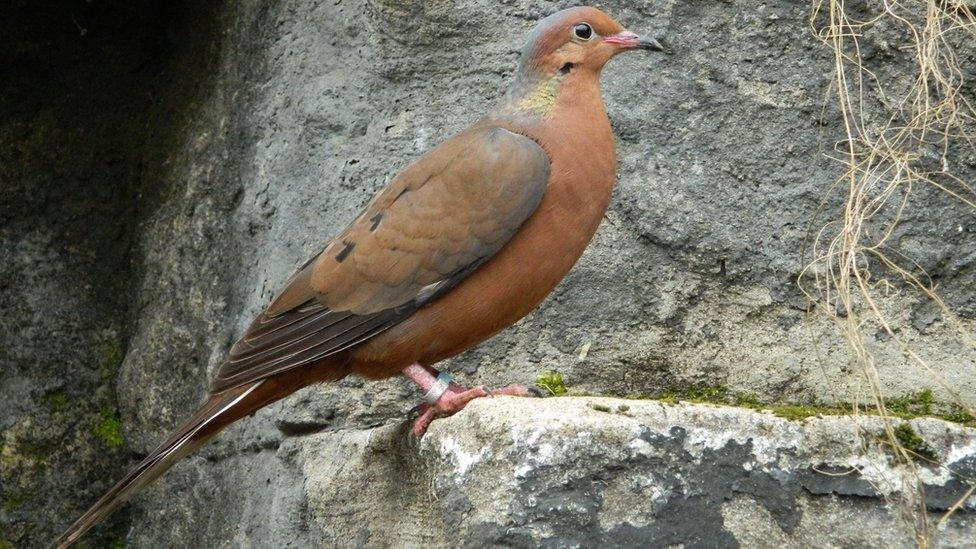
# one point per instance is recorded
(95, 100)
(164, 168)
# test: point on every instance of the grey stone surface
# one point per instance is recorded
(164, 168)
(590, 472)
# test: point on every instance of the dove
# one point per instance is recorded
(463, 242)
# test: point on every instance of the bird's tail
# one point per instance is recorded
(220, 411)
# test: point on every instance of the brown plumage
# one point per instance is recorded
(462, 243)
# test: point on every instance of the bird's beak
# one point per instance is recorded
(630, 41)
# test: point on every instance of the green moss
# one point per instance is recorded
(960, 416)
(720, 395)
(911, 441)
(913, 405)
(13, 502)
(55, 401)
(110, 358)
(118, 543)
(4, 544)
(600, 407)
(109, 428)
(922, 404)
(800, 412)
(746, 400)
(552, 381)
(36, 450)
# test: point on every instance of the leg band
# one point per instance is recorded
(438, 388)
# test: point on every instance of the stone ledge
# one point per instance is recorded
(564, 472)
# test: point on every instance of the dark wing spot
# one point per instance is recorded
(566, 68)
(341, 256)
(376, 221)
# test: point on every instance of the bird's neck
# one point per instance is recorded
(538, 102)
(533, 96)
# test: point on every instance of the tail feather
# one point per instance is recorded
(221, 410)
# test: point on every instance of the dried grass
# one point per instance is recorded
(884, 158)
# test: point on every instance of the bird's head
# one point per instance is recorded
(579, 39)
(571, 44)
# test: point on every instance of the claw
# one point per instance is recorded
(421, 424)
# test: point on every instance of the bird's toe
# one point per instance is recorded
(516, 390)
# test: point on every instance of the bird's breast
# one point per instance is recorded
(513, 282)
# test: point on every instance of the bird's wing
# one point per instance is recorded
(436, 222)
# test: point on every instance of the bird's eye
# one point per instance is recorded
(583, 31)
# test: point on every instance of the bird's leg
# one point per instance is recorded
(444, 397)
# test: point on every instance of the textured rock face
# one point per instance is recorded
(163, 170)
(598, 472)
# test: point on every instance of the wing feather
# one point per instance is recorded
(436, 222)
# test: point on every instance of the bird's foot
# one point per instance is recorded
(445, 398)
(451, 402)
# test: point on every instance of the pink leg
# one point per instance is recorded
(453, 399)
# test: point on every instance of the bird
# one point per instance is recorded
(463, 242)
